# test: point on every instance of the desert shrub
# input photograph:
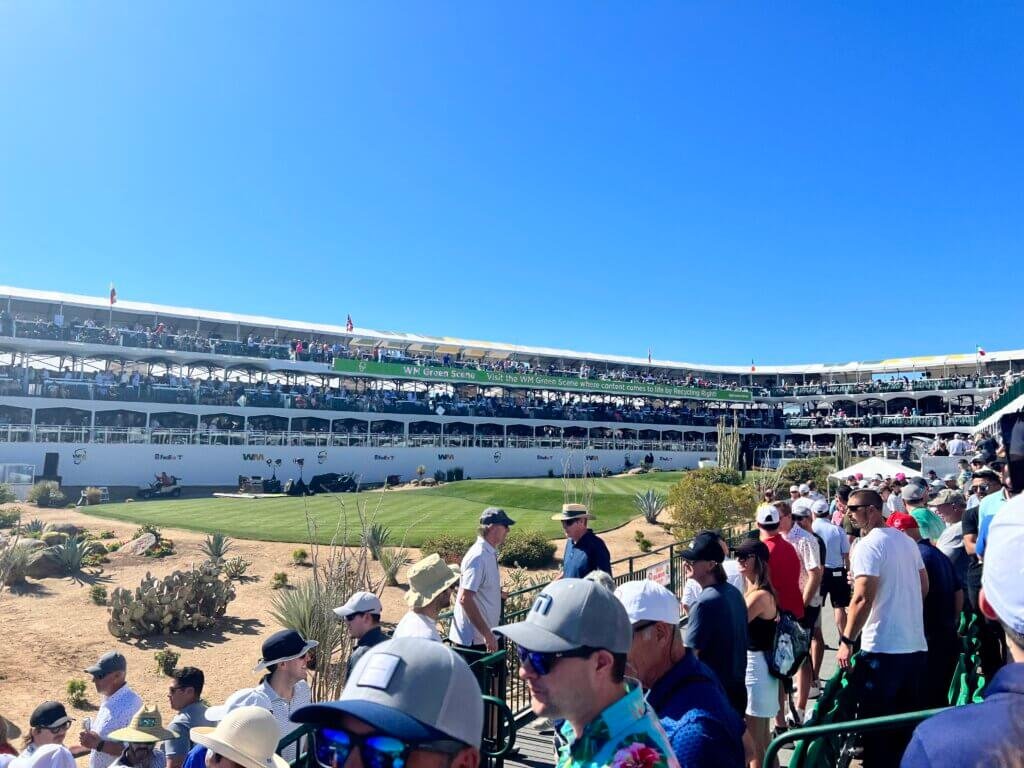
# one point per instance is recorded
(75, 692)
(450, 546)
(182, 600)
(421, 471)
(643, 542)
(526, 549)
(375, 537)
(698, 503)
(106, 535)
(439, 475)
(235, 567)
(147, 528)
(391, 561)
(113, 546)
(804, 470)
(279, 580)
(162, 548)
(92, 495)
(13, 563)
(7, 494)
(721, 475)
(72, 555)
(46, 494)
(9, 517)
(166, 661)
(300, 556)
(98, 594)
(94, 560)
(53, 538)
(551, 472)
(216, 546)
(650, 504)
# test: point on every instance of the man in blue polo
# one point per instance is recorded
(988, 733)
(691, 704)
(584, 551)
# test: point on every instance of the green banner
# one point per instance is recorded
(440, 374)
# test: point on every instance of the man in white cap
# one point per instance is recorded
(478, 606)
(572, 648)
(245, 738)
(361, 614)
(431, 585)
(410, 702)
(701, 724)
(244, 697)
(286, 658)
(988, 733)
(584, 549)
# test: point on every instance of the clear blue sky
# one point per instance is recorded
(716, 181)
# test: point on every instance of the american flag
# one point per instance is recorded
(348, 324)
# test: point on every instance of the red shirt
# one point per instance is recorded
(784, 574)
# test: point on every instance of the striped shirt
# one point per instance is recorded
(282, 709)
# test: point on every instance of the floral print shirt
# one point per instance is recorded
(625, 735)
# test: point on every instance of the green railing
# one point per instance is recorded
(815, 733)
(1016, 390)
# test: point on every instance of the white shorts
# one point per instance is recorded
(762, 688)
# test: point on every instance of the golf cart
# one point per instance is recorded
(164, 486)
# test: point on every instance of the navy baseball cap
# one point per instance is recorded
(495, 516)
(108, 662)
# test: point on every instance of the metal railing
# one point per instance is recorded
(936, 420)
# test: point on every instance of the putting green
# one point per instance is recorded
(414, 515)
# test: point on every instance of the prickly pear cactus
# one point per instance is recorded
(181, 601)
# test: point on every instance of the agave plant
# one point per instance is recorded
(71, 554)
(392, 561)
(650, 504)
(35, 525)
(216, 546)
(375, 537)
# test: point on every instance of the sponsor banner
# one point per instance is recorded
(660, 573)
(533, 380)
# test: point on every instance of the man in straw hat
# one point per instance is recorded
(431, 584)
(410, 702)
(286, 659)
(140, 738)
(245, 738)
(584, 550)
(244, 697)
(478, 608)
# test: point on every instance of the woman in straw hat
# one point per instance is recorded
(245, 738)
(140, 738)
(432, 582)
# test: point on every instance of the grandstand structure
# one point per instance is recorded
(101, 393)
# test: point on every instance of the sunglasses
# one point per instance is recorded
(332, 747)
(855, 507)
(744, 558)
(570, 523)
(59, 728)
(354, 616)
(543, 663)
(980, 488)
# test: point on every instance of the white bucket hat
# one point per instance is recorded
(247, 736)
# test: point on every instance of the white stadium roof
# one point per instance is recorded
(444, 344)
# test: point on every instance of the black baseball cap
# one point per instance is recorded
(49, 714)
(706, 546)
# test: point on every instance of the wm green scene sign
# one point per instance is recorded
(441, 374)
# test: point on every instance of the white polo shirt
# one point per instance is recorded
(116, 711)
(282, 709)
(480, 575)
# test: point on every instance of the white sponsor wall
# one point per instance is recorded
(102, 464)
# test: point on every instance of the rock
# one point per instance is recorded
(428, 481)
(69, 528)
(43, 565)
(637, 471)
(31, 544)
(52, 538)
(140, 545)
(95, 548)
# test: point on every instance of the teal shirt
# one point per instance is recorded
(625, 735)
(929, 523)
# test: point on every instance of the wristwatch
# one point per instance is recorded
(101, 745)
(843, 639)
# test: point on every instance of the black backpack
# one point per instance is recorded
(790, 647)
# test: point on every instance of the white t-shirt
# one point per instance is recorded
(417, 625)
(806, 547)
(692, 590)
(896, 621)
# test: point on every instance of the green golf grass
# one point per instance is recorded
(414, 515)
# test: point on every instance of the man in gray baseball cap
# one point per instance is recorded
(118, 704)
(572, 650)
(409, 702)
(478, 606)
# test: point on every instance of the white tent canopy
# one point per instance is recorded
(875, 466)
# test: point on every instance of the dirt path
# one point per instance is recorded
(52, 630)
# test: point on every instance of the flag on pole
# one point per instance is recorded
(752, 366)
(348, 324)
(113, 295)
(981, 352)
(648, 355)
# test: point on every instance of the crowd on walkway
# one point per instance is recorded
(898, 559)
